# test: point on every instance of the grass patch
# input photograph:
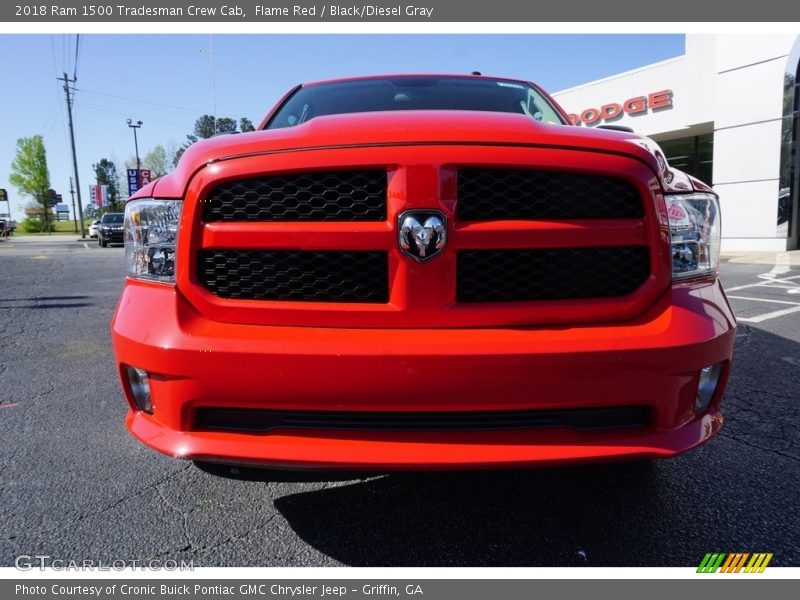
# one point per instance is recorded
(59, 227)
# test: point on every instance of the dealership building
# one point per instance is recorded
(726, 112)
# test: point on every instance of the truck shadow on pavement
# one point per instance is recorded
(507, 518)
(737, 493)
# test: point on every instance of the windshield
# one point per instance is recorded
(112, 218)
(413, 93)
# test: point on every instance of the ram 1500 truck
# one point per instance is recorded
(423, 272)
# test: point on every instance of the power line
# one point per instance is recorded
(53, 48)
(77, 46)
(58, 96)
(137, 101)
(47, 126)
(104, 109)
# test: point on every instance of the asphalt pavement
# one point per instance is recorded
(74, 485)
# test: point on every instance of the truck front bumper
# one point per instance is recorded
(193, 364)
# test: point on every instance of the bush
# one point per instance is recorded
(35, 225)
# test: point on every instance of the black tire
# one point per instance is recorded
(103, 242)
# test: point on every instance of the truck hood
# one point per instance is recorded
(409, 128)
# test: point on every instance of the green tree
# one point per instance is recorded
(30, 175)
(225, 125)
(207, 126)
(105, 172)
(156, 160)
(246, 125)
(204, 128)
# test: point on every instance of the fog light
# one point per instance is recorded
(709, 377)
(140, 388)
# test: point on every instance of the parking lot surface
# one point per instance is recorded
(76, 486)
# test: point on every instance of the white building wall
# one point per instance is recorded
(731, 85)
(748, 106)
(690, 77)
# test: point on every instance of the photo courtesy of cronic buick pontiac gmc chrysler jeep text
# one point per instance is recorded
(425, 271)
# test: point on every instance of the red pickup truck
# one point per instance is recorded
(423, 271)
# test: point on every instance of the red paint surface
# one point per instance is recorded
(421, 351)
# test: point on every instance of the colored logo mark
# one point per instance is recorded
(736, 562)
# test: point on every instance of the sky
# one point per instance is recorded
(166, 81)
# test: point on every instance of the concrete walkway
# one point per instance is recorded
(789, 259)
(55, 238)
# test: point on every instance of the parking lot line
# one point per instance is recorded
(767, 300)
(764, 283)
(770, 315)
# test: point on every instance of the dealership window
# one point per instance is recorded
(789, 183)
(693, 155)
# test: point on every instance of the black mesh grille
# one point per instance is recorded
(496, 194)
(321, 276)
(323, 196)
(262, 421)
(550, 274)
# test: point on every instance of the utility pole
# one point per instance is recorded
(67, 81)
(74, 214)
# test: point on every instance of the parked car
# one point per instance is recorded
(423, 272)
(93, 228)
(110, 229)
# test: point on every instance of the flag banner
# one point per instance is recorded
(99, 195)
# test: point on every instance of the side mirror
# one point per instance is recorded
(616, 128)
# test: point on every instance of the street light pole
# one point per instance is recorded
(136, 126)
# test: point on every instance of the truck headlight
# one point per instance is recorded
(151, 228)
(695, 234)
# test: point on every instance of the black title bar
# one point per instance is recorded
(732, 588)
(472, 11)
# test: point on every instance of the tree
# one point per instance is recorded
(90, 211)
(105, 172)
(156, 160)
(207, 126)
(30, 175)
(246, 125)
(173, 149)
(122, 176)
(225, 125)
(204, 128)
